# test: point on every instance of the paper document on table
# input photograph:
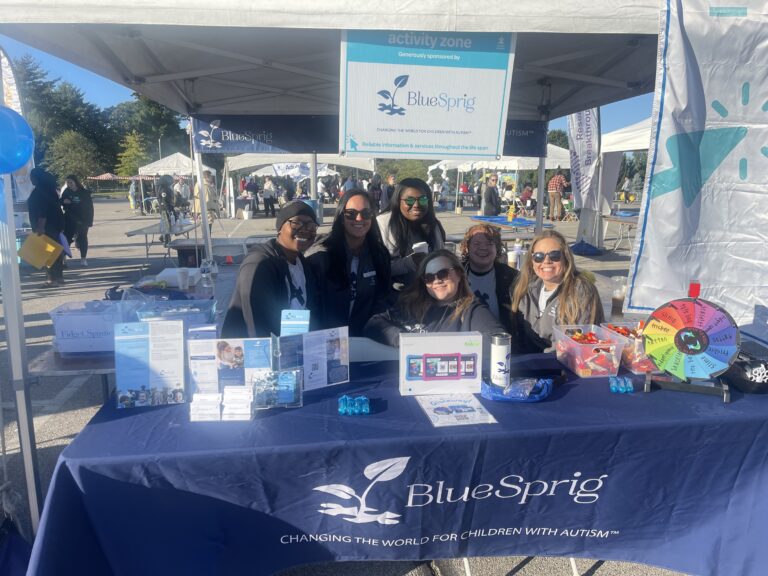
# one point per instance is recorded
(454, 410)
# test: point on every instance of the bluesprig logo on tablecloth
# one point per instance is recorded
(389, 106)
(380, 471)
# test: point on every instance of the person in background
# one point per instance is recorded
(491, 200)
(78, 215)
(387, 190)
(410, 220)
(439, 301)
(555, 188)
(270, 197)
(352, 266)
(490, 277)
(46, 218)
(374, 191)
(549, 291)
(274, 276)
(349, 184)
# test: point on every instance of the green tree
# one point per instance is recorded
(558, 138)
(640, 161)
(133, 154)
(37, 96)
(73, 153)
(404, 168)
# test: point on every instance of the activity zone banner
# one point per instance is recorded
(424, 94)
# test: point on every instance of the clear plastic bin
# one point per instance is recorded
(588, 360)
(190, 311)
(89, 327)
(633, 357)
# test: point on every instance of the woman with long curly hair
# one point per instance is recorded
(550, 290)
(439, 301)
(410, 220)
(351, 265)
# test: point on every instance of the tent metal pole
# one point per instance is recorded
(313, 176)
(15, 336)
(540, 196)
(203, 199)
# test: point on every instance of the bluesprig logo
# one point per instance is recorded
(389, 106)
(380, 471)
(208, 139)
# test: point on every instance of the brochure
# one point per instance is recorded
(454, 410)
(217, 363)
(294, 322)
(149, 363)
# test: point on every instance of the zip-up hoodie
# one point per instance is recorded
(535, 328)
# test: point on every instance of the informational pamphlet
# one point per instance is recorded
(294, 322)
(217, 363)
(454, 410)
(149, 363)
(326, 357)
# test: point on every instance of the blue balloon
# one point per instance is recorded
(17, 143)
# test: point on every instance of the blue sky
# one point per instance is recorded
(104, 93)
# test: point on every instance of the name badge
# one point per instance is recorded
(369, 274)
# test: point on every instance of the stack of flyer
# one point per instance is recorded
(205, 407)
(237, 403)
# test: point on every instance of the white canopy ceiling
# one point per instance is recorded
(237, 57)
(250, 161)
(634, 137)
(172, 165)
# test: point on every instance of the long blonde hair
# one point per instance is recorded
(416, 300)
(569, 303)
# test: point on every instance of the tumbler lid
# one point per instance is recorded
(501, 339)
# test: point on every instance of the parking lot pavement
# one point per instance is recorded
(62, 406)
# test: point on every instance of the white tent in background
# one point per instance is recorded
(634, 137)
(171, 165)
(557, 157)
(251, 161)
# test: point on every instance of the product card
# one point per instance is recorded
(441, 363)
(454, 410)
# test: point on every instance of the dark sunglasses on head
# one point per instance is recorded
(554, 256)
(429, 278)
(410, 200)
(352, 214)
(297, 225)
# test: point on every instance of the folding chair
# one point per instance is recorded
(568, 214)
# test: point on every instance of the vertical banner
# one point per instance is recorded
(20, 184)
(424, 94)
(584, 146)
(704, 214)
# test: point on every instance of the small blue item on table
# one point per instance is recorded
(519, 389)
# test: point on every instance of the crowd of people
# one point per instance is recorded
(390, 274)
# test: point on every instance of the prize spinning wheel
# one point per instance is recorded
(691, 339)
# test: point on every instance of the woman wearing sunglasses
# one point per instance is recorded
(551, 291)
(274, 276)
(352, 266)
(439, 301)
(410, 220)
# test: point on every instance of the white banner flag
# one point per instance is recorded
(704, 214)
(10, 98)
(584, 144)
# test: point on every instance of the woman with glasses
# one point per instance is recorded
(352, 266)
(274, 276)
(410, 220)
(490, 277)
(439, 301)
(551, 291)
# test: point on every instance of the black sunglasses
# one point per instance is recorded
(297, 225)
(410, 200)
(352, 214)
(554, 256)
(430, 278)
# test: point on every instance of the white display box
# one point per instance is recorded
(441, 363)
(89, 327)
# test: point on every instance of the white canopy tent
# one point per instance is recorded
(251, 161)
(173, 165)
(236, 57)
(557, 157)
(634, 137)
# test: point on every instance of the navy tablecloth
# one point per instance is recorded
(670, 479)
